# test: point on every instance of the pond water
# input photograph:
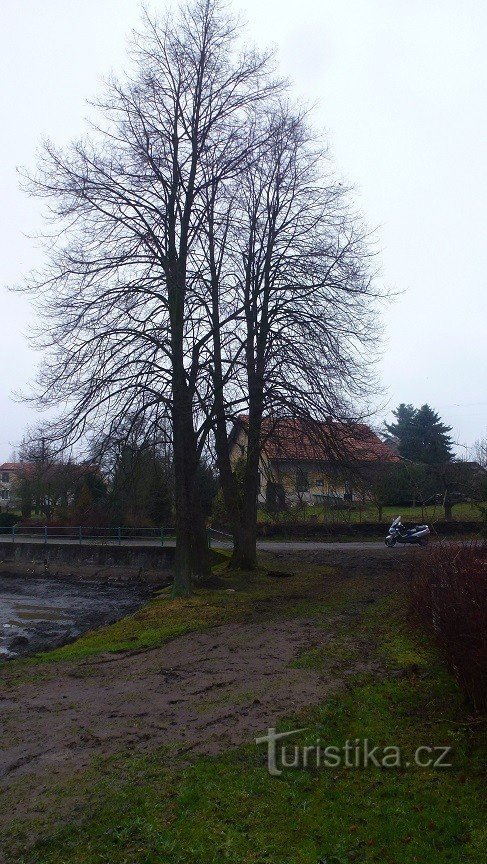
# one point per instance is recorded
(38, 613)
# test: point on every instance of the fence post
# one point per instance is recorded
(209, 538)
(45, 535)
(13, 533)
(119, 535)
(162, 536)
(80, 535)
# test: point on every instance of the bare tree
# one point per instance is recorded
(48, 484)
(480, 452)
(124, 325)
(293, 317)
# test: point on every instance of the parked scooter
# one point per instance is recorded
(399, 534)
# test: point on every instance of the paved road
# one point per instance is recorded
(263, 545)
(316, 545)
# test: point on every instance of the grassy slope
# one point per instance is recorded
(369, 514)
(225, 598)
(163, 809)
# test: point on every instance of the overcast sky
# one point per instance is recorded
(400, 87)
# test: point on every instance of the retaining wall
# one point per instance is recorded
(160, 558)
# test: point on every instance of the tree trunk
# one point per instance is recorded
(230, 491)
(245, 553)
(200, 553)
(192, 557)
(229, 485)
(245, 546)
(183, 562)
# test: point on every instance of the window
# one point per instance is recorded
(302, 482)
(4, 494)
(5, 477)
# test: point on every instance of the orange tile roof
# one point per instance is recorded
(290, 438)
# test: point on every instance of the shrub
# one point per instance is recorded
(290, 527)
(219, 516)
(449, 595)
(8, 519)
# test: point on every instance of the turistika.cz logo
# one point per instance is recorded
(354, 753)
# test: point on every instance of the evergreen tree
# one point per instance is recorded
(400, 432)
(432, 441)
(421, 435)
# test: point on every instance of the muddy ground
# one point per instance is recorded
(201, 691)
(39, 612)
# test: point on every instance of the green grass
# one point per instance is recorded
(161, 620)
(161, 808)
(230, 597)
(228, 809)
(369, 513)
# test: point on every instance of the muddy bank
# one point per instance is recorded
(116, 574)
(371, 560)
(41, 612)
(203, 691)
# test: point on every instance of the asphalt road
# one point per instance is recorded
(263, 545)
(317, 545)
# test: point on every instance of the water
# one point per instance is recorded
(38, 613)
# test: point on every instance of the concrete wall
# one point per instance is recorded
(158, 558)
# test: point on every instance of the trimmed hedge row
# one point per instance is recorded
(449, 597)
(358, 529)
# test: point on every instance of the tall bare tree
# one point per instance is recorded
(293, 304)
(124, 325)
(479, 451)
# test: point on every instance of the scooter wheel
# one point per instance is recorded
(390, 542)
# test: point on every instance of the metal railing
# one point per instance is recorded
(223, 535)
(85, 534)
(100, 536)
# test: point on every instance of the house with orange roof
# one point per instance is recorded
(304, 461)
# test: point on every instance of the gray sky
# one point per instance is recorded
(401, 89)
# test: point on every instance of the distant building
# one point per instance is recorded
(49, 484)
(10, 473)
(310, 462)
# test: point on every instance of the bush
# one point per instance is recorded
(449, 595)
(290, 528)
(8, 519)
(219, 517)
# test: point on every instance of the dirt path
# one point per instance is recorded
(198, 687)
(202, 691)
